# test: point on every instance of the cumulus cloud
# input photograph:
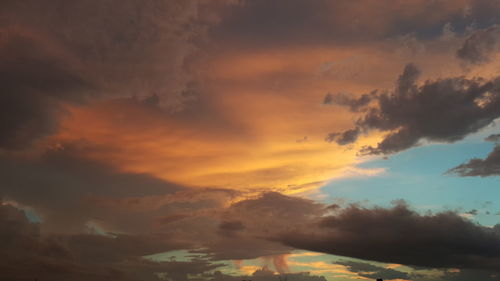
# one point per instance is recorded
(442, 110)
(400, 235)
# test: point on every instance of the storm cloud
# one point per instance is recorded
(400, 235)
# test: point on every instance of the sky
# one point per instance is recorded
(226, 140)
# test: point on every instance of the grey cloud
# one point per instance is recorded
(345, 137)
(354, 104)
(480, 45)
(29, 255)
(443, 110)
(374, 272)
(490, 166)
(400, 235)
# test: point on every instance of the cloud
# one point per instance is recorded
(36, 84)
(247, 225)
(69, 191)
(374, 272)
(57, 53)
(28, 255)
(322, 22)
(442, 110)
(467, 274)
(490, 166)
(400, 235)
(265, 274)
(480, 45)
(354, 104)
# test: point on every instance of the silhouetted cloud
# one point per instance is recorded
(490, 166)
(400, 235)
(373, 272)
(265, 274)
(468, 274)
(443, 110)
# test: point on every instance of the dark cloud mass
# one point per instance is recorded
(35, 85)
(490, 166)
(28, 255)
(374, 272)
(443, 110)
(400, 235)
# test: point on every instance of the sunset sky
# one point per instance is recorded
(228, 140)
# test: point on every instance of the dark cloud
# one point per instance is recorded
(29, 255)
(230, 228)
(35, 86)
(443, 110)
(480, 45)
(345, 137)
(323, 22)
(354, 104)
(467, 275)
(374, 272)
(65, 188)
(473, 212)
(72, 193)
(400, 235)
(490, 166)
(265, 274)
